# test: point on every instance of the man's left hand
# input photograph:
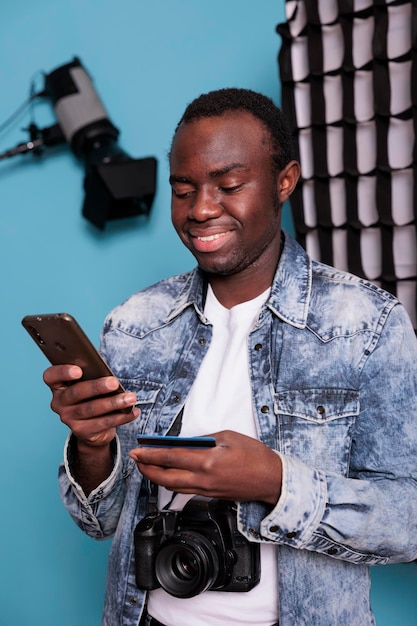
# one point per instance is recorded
(238, 468)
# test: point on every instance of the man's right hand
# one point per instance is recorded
(84, 406)
(92, 415)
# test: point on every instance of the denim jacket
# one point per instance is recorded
(333, 363)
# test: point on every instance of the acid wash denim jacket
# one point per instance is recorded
(333, 363)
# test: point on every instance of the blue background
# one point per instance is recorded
(147, 60)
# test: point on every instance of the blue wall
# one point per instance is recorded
(147, 60)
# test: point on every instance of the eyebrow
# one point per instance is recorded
(178, 179)
(228, 168)
(213, 174)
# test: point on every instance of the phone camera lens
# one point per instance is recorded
(36, 335)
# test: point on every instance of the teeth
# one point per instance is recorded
(211, 237)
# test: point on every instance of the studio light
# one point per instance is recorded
(116, 185)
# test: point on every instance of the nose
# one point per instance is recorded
(205, 206)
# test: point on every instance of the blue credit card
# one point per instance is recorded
(168, 441)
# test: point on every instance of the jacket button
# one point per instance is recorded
(265, 409)
(291, 535)
(202, 341)
(274, 529)
(321, 410)
(332, 551)
(258, 346)
(176, 398)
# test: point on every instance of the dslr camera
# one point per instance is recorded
(194, 550)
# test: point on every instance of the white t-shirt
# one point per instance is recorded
(220, 399)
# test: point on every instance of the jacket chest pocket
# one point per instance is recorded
(315, 426)
(147, 393)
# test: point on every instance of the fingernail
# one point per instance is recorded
(112, 384)
(130, 398)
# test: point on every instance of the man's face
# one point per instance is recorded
(224, 194)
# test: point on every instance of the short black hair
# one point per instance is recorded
(215, 103)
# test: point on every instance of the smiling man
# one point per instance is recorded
(305, 375)
(226, 201)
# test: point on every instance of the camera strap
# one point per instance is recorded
(176, 425)
(153, 488)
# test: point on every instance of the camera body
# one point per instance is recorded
(194, 550)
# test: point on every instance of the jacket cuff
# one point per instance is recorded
(300, 507)
(102, 490)
(298, 512)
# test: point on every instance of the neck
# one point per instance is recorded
(238, 288)
(248, 283)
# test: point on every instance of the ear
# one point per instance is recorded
(287, 180)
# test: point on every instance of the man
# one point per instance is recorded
(305, 375)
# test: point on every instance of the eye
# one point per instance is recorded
(182, 192)
(231, 189)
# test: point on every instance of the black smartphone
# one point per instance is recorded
(168, 441)
(63, 341)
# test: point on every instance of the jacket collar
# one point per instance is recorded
(290, 291)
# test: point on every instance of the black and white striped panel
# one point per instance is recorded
(348, 72)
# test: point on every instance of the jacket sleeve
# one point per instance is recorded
(369, 516)
(98, 513)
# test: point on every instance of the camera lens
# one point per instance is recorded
(186, 564)
(36, 335)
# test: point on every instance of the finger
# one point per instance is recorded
(181, 458)
(91, 409)
(100, 429)
(181, 481)
(58, 376)
(92, 389)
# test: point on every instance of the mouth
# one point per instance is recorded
(210, 243)
(211, 237)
